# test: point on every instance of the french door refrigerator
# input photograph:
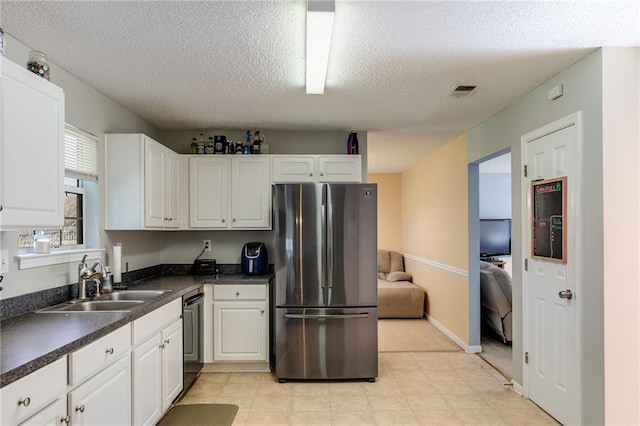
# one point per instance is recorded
(326, 281)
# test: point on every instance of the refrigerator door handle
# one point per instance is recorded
(329, 241)
(323, 269)
(326, 316)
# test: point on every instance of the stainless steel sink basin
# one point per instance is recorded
(143, 295)
(94, 306)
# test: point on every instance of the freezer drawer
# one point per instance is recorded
(326, 343)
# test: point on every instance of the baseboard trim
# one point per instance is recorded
(468, 349)
(516, 387)
(428, 262)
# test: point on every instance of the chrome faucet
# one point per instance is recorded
(89, 274)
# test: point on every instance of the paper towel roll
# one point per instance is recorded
(116, 263)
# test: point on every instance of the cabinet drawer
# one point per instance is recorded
(95, 356)
(36, 390)
(154, 321)
(240, 292)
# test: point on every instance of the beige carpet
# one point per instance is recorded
(498, 354)
(412, 335)
(200, 415)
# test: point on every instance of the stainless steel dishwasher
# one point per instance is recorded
(193, 318)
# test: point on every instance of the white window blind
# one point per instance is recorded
(80, 154)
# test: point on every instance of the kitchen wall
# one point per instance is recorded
(621, 230)
(435, 233)
(389, 210)
(495, 195)
(582, 85)
(280, 142)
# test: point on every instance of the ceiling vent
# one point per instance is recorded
(463, 91)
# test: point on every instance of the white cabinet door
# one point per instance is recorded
(340, 168)
(39, 388)
(54, 415)
(142, 181)
(154, 184)
(104, 399)
(147, 382)
(208, 192)
(172, 364)
(289, 169)
(240, 331)
(250, 193)
(32, 147)
(172, 192)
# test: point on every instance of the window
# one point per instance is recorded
(81, 169)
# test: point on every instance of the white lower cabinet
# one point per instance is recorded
(105, 398)
(157, 362)
(172, 363)
(147, 393)
(106, 382)
(239, 330)
(25, 398)
(238, 326)
(54, 415)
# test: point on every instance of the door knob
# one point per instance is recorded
(565, 294)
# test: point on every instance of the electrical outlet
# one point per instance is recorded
(4, 261)
(206, 245)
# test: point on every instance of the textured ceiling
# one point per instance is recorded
(238, 64)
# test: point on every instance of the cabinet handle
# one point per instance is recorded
(110, 351)
(311, 174)
(321, 173)
(167, 341)
(80, 408)
(162, 346)
(222, 220)
(237, 293)
(261, 311)
(25, 401)
(66, 419)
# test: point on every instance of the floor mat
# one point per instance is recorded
(412, 335)
(200, 415)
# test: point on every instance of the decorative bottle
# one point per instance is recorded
(209, 149)
(255, 147)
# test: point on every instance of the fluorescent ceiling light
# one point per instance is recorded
(320, 15)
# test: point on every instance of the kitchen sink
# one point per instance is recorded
(94, 306)
(143, 295)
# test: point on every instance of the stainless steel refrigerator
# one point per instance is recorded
(325, 281)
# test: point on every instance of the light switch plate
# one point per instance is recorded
(4, 261)
(555, 92)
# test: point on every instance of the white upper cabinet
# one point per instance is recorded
(228, 192)
(142, 181)
(317, 168)
(32, 150)
(250, 192)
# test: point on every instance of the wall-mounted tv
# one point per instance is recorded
(495, 237)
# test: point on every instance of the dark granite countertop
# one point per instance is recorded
(33, 340)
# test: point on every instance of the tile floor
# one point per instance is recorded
(413, 388)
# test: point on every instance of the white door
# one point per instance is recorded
(147, 382)
(172, 364)
(208, 189)
(105, 399)
(54, 415)
(154, 184)
(240, 331)
(172, 204)
(552, 376)
(250, 193)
